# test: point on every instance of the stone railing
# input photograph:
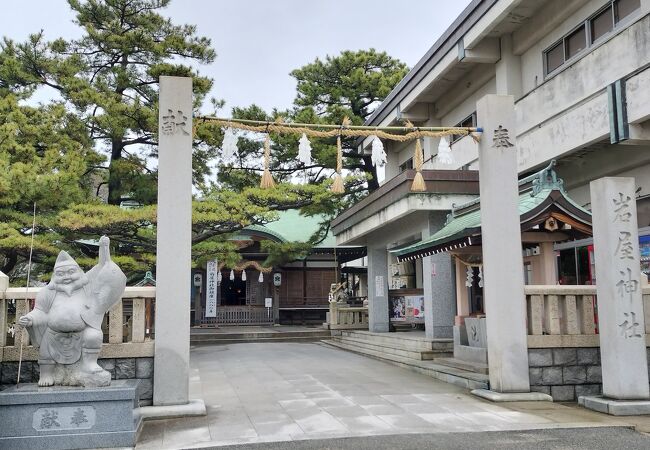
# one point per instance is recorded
(128, 326)
(343, 317)
(563, 316)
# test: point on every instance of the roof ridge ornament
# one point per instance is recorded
(547, 179)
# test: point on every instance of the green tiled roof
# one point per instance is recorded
(294, 227)
(467, 222)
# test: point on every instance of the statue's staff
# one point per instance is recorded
(29, 272)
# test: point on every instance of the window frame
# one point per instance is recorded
(404, 166)
(589, 41)
(457, 137)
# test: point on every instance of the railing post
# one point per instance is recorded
(21, 337)
(334, 313)
(535, 309)
(552, 315)
(115, 327)
(137, 320)
(570, 315)
(587, 313)
(4, 285)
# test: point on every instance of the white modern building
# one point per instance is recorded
(579, 72)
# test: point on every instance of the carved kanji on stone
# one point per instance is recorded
(627, 286)
(621, 208)
(501, 138)
(624, 249)
(78, 417)
(174, 123)
(629, 327)
(50, 418)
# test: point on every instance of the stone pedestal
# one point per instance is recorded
(70, 417)
(378, 290)
(438, 283)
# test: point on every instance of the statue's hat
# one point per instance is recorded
(64, 259)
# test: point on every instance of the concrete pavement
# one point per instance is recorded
(263, 392)
(564, 439)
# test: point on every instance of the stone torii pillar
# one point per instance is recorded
(174, 252)
(503, 278)
(620, 305)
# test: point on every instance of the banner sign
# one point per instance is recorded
(211, 285)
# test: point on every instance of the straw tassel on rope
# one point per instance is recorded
(338, 186)
(418, 160)
(267, 180)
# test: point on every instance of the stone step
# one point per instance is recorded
(391, 349)
(222, 341)
(401, 340)
(257, 336)
(458, 377)
(464, 365)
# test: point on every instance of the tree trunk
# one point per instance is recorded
(373, 183)
(114, 182)
(9, 263)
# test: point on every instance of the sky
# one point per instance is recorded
(259, 42)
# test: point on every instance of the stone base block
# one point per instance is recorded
(62, 417)
(494, 396)
(615, 407)
(471, 354)
(191, 409)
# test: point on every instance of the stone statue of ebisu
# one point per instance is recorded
(67, 318)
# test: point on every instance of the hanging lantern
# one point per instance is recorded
(229, 145)
(219, 277)
(261, 278)
(267, 179)
(378, 154)
(418, 160)
(338, 186)
(232, 275)
(444, 152)
(470, 277)
(304, 150)
(243, 275)
(480, 276)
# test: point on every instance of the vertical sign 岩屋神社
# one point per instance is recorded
(620, 305)
(211, 294)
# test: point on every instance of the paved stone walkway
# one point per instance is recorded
(270, 392)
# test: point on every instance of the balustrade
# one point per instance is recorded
(565, 316)
(343, 317)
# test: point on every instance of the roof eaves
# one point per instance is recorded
(467, 19)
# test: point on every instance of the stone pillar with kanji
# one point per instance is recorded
(618, 282)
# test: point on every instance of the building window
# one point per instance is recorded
(467, 122)
(575, 42)
(554, 57)
(623, 8)
(601, 24)
(595, 27)
(406, 165)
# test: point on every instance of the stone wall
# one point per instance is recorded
(120, 369)
(565, 373)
